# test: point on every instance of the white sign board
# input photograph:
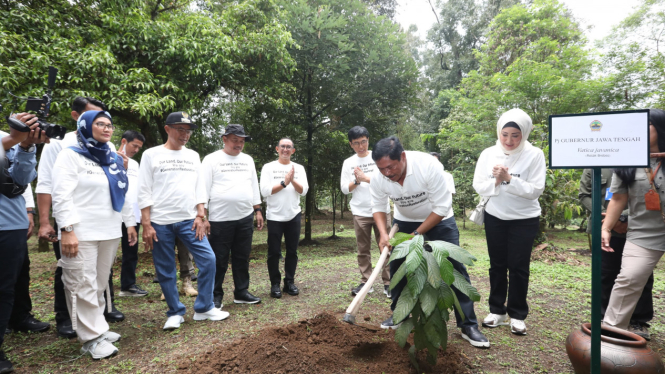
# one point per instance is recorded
(614, 139)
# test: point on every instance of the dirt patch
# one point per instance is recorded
(323, 344)
(549, 253)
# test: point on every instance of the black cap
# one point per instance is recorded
(180, 118)
(237, 130)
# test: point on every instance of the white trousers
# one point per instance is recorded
(637, 264)
(86, 279)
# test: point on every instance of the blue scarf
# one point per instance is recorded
(101, 153)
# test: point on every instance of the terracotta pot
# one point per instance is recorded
(621, 352)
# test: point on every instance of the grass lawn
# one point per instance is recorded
(559, 299)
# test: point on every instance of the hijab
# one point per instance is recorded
(101, 153)
(519, 118)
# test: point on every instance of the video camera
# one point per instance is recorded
(41, 106)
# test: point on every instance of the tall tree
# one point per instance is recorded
(143, 58)
(353, 68)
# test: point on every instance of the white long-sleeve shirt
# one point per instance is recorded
(169, 184)
(361, 201)
(284, 205)
(231, 186)
(47, 160)
(519, 198)
(82, 198)
(29, 198)
(425, 190)
(133, 187)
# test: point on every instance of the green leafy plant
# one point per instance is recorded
(425, 303)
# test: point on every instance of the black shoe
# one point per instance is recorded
(218, 302)
(65, 329)
(195, 276)
(291, 289)
(114, 316)
(155, 280)
(245, 297)
(475, 337)
(133, 291)
(388, 324)
(275, 292)
(8, 331)
(640, 329)
(386, 290)
(356, 290)
(5, 364)
(31, 324)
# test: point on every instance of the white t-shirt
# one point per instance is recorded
(425, 190)
(450, 183)
(47, 160)
(519, 198)
(169, 184)
(82, 198)
(285, 204)
(231, 187)
(361, 201)
(133, 187)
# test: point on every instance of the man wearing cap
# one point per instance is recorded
(232, 195)
(282, 184)
(171, 200)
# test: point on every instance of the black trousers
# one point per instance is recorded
(59, 299)
(509, 244)
(22, 300)
(130, 259)
(13, 250)
(291, 232)
(610, 268)
(232, 238)
(447, 231)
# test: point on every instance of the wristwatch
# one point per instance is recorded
(415, 232)
(257, 210)
(69, 228)
(283, 184)
(30, 211)
(30, 149)
(623, 218)
(356, 182)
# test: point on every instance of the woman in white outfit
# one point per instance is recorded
(511, 174)
(89, 187)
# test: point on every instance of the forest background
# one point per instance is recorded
(310, 70)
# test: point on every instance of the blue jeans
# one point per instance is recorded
(447, 231)
(163, 255)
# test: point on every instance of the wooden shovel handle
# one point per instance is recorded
(360, 297)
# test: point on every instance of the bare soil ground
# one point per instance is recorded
(309, 326)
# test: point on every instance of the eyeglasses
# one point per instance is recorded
(285, 146)
(183, 130)
(362, 142)
(103, 125)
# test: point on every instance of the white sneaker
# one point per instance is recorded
(495, 320)
(111, 336)
(517, 326)
(213, 314)
(173, 323)
(99, 348)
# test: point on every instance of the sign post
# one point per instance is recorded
(595, 141)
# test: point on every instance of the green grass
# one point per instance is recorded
(559, 299)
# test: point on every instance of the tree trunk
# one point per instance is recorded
(309, 199)
(334, 206)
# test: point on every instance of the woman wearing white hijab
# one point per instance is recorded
(511, 174)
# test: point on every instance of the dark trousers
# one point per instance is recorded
(610, 268)
(22, 300)
(447, 231)
(13, 250)
(291, 232)
(232, 238)
(59, 299)
(509, 244)
(130, 259)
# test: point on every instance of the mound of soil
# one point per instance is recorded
(323, 344)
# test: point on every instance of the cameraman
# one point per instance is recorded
(47, 232)
(21, 156)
